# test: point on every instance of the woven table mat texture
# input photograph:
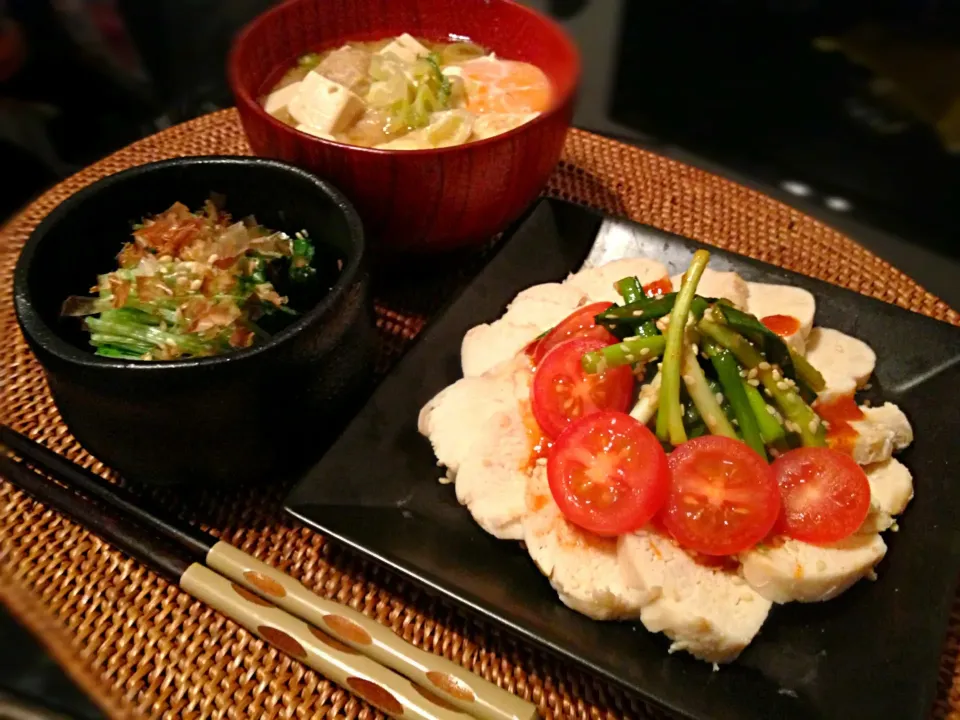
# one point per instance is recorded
(142, 648)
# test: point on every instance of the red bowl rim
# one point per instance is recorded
(243, 96)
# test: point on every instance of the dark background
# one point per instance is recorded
(848, 110)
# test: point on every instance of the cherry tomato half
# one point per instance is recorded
(562, 392)
(825, 495)
(608, 473)
(723, 496)
(579, 323)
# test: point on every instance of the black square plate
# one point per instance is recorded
(871, 653)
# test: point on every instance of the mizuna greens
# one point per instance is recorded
(194, 284)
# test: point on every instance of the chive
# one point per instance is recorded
(669, 417)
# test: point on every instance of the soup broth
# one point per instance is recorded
(406, 93)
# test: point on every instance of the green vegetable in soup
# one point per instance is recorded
(309, 61)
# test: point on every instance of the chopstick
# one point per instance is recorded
(354, 651)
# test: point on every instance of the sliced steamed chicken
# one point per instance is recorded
(534, 311)
(717, 284)
(882, 431)
(492, 480)
(460, 413)
(710, 612)
(845, 362)
(765, 300)
(485, 347)
(598, 283)
(583, 568)
(544, 305)
(478, 431)
(891, 490)
(790, 570)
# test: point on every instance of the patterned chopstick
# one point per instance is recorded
(394, 694)
(321, 630)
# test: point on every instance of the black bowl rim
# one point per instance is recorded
(37, 331)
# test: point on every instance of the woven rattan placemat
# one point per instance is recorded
(142, 647)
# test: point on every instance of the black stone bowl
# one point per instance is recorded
(251, 415)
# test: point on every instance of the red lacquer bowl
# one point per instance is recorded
(422, 200)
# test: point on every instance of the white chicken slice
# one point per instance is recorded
(492, 479)
(718, 284)
(845, 362)
(710, 612)
(533, 311)
(765, 299)
(462, 412)
(790, 570)
(544, 305)
(891, 490)
(485, 347)
(582, 567)
(883, 431)
(597, 283)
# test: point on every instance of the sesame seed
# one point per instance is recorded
(630, 358)
(814, 425)
(637, 313)
(743, 373)
(764, 365)
(782, 386)
(753, 382)
(164, 259)
(695, 349)
(792, 426)
(625, 347)
(212, 259)
(770, 410)
(719, 397)
(767, 392)
(776, 374)
(195, 285)
(752, 373)
(644, 352)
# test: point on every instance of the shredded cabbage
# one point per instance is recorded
(411, 92)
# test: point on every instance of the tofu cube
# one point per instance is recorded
(278, 100)
(406, 48)
(324, 106)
